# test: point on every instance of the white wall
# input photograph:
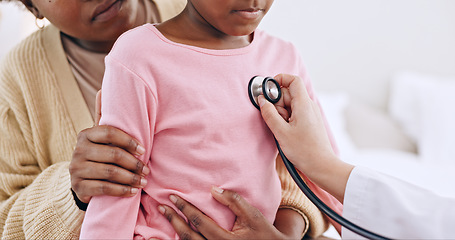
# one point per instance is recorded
(15, 24)
(356, 45)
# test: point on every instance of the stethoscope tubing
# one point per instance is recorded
(258, 86)
(321, 205)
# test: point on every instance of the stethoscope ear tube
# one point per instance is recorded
(321, 205)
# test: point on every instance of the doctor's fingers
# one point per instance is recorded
(274, 120)
(283, 105)
(294, 84)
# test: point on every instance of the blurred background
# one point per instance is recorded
(384, 72)
(357, 45)
(15, 24)
(385, 75)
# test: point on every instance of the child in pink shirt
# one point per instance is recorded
(180, 88)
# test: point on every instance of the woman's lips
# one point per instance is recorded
(107, 10)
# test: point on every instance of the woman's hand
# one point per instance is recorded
(104, 163)
(249, 224)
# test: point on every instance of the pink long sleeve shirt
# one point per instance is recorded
(189, 107)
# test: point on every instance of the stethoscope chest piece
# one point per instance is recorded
(266, 86)
(271, 90)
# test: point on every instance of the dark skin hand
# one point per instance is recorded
(104, 164)
(249, 224)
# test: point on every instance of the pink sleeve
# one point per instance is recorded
(328, 199)
(128, 104)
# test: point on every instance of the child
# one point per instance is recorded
(191, 110)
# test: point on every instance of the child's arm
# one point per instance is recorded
(128, 104)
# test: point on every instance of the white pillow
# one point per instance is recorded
(407, 90)
(425, 106)
(373, 128)
(437, 142)
(334, 105)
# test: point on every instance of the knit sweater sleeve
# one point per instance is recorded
(169, 8)
(35, 197)
(293, 198)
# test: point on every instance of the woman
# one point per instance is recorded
(47, 90)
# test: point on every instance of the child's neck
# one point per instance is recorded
(182, 31)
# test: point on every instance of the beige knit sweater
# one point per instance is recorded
(41, 112)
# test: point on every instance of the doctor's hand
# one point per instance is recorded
(303, 137)
(103, 163)
(249, 224)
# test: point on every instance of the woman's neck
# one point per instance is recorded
(93, 46)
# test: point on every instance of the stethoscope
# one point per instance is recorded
(271, 90)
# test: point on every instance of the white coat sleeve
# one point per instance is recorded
(396, 209)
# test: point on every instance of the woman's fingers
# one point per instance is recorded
(103, 163)
(90, 179)
(113, 136)
(111, 156)
(98, 108)
(249, 223)
(86, 189)
(205, 225)
(110, 145)
(244, 211)
(179, 224)
(110, 173)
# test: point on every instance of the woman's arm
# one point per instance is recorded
(35, 196)
(293, 199)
